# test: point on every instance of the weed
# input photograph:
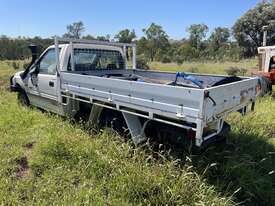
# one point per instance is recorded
(45, 160)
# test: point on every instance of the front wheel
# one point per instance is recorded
(23, 98)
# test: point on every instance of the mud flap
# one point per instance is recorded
(221, 137)
(94, 116)
(135, 127)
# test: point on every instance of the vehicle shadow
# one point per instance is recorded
(244, 166)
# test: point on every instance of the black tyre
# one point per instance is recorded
(23, 98)
(113, 119)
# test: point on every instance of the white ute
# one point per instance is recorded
(90, 78)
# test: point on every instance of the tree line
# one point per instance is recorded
(240, 41)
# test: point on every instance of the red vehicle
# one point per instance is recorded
(266, 71)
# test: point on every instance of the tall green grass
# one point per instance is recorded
(46, 160)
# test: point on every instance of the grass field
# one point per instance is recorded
(46, 160)
(207, 67)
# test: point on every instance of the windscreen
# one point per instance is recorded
(96, 59)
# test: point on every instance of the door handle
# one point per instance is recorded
(51, 84)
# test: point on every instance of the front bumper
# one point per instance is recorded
(13, 88)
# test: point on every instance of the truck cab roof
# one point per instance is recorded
(65, 52)
(89, 46)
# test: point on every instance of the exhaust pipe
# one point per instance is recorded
(33, 49)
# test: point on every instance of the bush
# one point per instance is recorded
(142, 62)
(9, 63)
(178, 59)
(26, 65)
(166, 59)
(233, 71)
(243, 71)
(193, 69)
(15, 65)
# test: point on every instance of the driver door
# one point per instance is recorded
(42, 82)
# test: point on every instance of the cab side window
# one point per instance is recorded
(47, 64)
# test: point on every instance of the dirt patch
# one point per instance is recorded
(23, 167)
(76, 181)
(29, 145)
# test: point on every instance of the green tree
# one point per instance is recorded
(142, 47)
(17, 48)
(88, 37)
(197, 34)
(185, 52)
(104, 38)
(156, 41)
(75, 30)
(248, 29)
(126, 36)
(142, 62)
(218, 44)
(219, 37)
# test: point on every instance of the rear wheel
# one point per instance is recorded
(23, 98)
(113, 119)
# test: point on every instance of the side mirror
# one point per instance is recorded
(34, 79)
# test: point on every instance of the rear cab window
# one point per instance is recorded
(96, 59)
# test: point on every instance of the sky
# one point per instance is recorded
(50, 17)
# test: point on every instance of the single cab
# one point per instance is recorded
(93, 80)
